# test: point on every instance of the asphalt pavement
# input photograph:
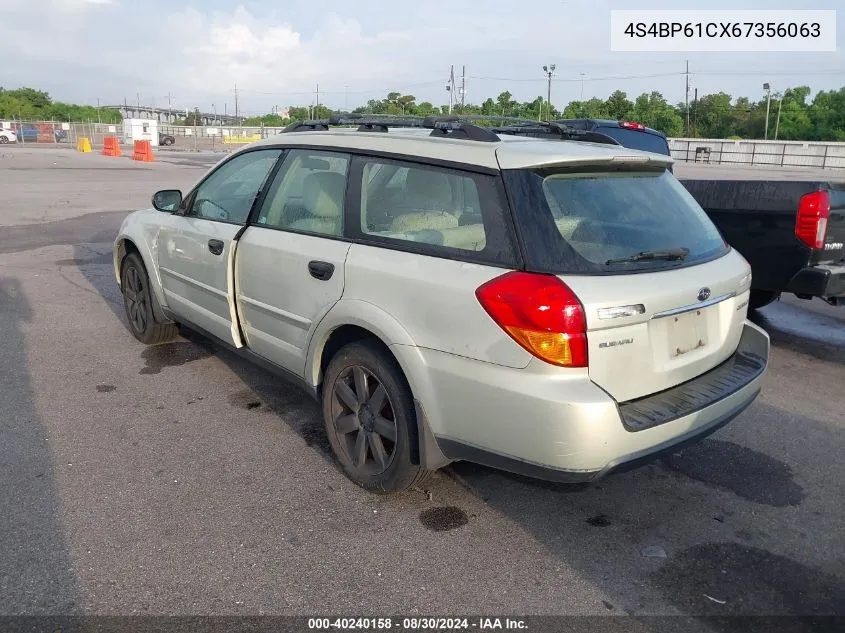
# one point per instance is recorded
(180, 480)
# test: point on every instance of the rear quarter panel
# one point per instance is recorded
(434, 301)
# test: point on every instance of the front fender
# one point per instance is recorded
(141, 230)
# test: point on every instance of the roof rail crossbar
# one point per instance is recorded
(542, 128)
(459, 127)
(372, 127)
(321, 125)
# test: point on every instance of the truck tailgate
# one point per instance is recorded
(758, 217)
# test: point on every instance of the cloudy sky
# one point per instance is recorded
(196, 51)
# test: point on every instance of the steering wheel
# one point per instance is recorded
(221, 214)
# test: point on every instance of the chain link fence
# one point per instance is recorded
(196, 138)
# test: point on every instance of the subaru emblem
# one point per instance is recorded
(704, 294)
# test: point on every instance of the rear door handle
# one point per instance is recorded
(215, 246)
(321, 270)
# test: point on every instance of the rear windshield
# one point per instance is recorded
(636, 139)
(585, 222)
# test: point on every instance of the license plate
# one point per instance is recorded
(687, 333)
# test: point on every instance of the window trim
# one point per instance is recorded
(187, 205)
(252, 219)
(352, 216)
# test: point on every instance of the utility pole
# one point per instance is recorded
(236, 104)
(450, 87)
(777, 121)
(582, 86)
(463, 86)
(169, 108)
(138, 99)
(686, 99)
(346, 98)
(99, 120)
(768, 90)
(317, 101)
(549, 71)
(695, 115)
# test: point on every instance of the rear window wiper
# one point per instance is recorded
(645, 256)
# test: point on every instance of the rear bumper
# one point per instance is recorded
(819, 281)
(560, 426)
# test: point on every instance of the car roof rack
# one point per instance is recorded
(440, 126)
(545, 128)
(453, 126)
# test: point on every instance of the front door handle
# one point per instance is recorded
(321, 270)
(215, 246)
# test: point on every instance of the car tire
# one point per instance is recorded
(138, 303)
(762, 298)
(3, 140)
(370, 420)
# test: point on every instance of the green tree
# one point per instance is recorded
(594, 108)
(505, 103)
(792, 117)
(652, 110)
(827, 115)
(617, 105)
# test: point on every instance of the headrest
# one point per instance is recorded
(322, 193)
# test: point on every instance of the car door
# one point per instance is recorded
(196, 248)
(289, 268)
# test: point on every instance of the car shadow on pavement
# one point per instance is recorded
(36, 576)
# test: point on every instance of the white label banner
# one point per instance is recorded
(723, 31)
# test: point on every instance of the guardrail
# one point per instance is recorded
(772, 153)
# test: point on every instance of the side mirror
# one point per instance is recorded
(167, 200)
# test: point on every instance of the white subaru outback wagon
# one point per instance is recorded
(556, 307)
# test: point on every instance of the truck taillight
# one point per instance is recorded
(813, 213)
(539, 312)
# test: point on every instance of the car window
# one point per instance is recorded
(228, 193)
(580, 221)
(417, 203)
(307, 193)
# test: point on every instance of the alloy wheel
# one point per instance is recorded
(364, 420)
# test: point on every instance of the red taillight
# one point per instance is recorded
(811, 225)
(540, 313)
(631, 125)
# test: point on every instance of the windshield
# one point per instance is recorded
(637, 139)
(599, 221)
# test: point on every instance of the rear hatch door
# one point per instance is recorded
(665, 297)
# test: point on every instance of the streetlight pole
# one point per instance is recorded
(777, 120)
(549, 71)
(768, 90)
